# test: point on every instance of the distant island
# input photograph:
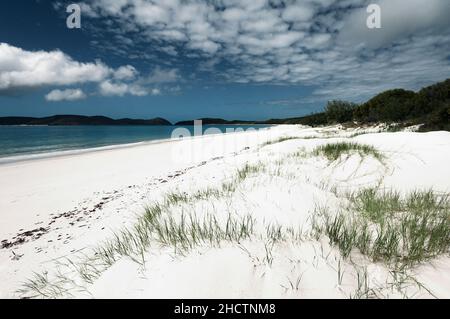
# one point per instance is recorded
(429, 107)
(78, 120)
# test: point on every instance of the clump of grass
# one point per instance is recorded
(190, 231)
(183, 233)
(375, 205)
(279, 140)
(275, 233)
(248, 170)
(301, 153)
(389, 228)
(334, 151)
(41, 286)
(363, 290)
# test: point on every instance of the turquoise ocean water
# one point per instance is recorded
(22, 142)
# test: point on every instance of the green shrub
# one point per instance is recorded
(339, 111)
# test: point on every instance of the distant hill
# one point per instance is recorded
(78, 120)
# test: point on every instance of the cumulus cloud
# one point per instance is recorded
(21, 69)
(109, 88)
(65, 95)
(126, 72)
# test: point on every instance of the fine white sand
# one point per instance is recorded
(53, 211)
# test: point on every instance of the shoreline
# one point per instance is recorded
(5, 160)
(73, 152)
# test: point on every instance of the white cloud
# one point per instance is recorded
(86, 9)
(126, 72)
(138, 90)
(65, 95)
(298, 12)
(127, 82)
(21, 69)
(399, 19)
(156, 91)
(108, 88)
(159, 75)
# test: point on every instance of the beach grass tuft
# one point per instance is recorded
(333, 151)
(279, 140)
(390, 228)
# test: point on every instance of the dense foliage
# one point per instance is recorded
(339, 111)
(430, 107)
(390, 106)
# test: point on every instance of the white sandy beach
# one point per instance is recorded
(54, 211)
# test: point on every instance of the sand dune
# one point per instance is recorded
(245, 207)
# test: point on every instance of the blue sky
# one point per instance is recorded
(247, 59)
